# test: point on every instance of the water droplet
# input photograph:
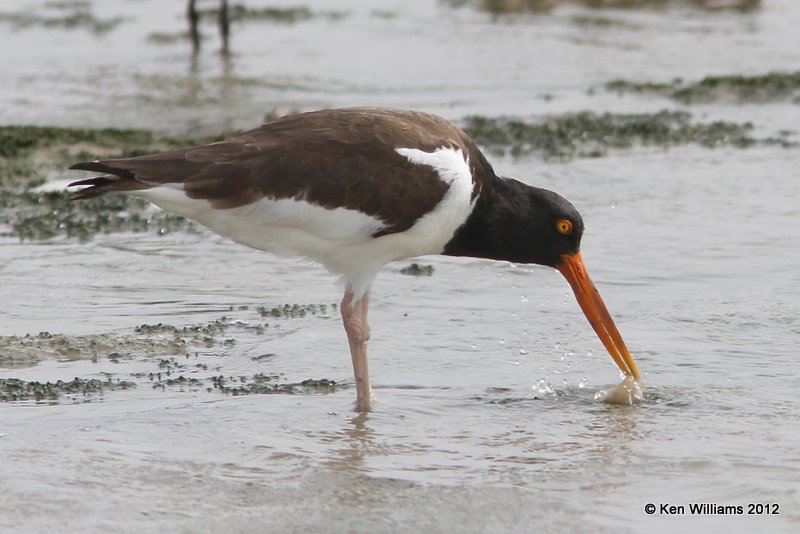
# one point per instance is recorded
(523, 298)
(543, 386)
(474, 346)
(523, 352)
(502, 342)
(583, 383)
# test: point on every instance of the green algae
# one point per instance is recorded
(654, 88)
(212, 328)
(45, 215)
(512, 7)
(182, 358)
(169, 38)
(206, 336)
(589, 134)
(161, 341)
(29, 350)
(415, 269)
(29, 155)
(771, 87)
(743, 6)
(240, 12)
(238, 385)
(593, 21)
(284, 15)
(261, 384)
(87, 389)
(62, 15)
(19, 140)
(16, 140)
(79, 389)
(280, 15)
(295, 311)
(69, 4)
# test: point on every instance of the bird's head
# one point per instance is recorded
(555, 234)
(555, 227)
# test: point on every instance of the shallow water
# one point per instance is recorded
(485, 373)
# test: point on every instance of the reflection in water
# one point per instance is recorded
(357, 443)
(223, 20)
(521, 442)
(194, 21)
(197, 76)
(224, 27)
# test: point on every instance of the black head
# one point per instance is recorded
(553, 226)
(519, 223)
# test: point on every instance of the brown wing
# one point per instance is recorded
(334, 158)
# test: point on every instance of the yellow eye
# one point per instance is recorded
(564, 226)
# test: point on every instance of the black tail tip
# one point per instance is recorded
(85, 181)
(99, 166)
(96, 187)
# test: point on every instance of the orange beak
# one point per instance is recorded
(574, 271)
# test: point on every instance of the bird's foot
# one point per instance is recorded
(365, 402)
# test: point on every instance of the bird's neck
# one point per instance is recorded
(496, 227)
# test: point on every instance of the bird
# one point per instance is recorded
(354, 189)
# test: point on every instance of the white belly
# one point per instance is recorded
(340, 239)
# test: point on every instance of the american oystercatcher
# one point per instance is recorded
(355, 189)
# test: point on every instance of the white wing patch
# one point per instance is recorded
(438, 226)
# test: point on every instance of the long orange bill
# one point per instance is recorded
(574, 271)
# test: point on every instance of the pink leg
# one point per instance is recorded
(354, 317)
